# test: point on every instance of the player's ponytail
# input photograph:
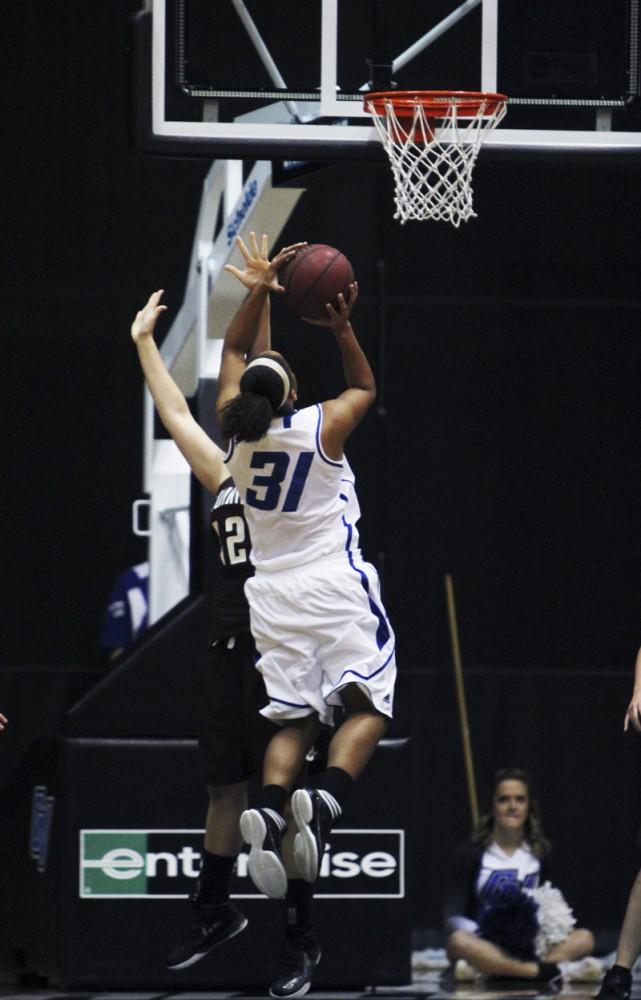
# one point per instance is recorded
(246, 417)
(264, 389)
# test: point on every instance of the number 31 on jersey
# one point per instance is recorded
(268, 487)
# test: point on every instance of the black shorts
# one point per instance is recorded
(233, 734)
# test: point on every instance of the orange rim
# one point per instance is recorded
(436, 103)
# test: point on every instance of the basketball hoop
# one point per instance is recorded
(432, 139)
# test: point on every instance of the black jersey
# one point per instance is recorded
(229, 608)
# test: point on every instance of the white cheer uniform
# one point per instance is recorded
(315, 607)
(498, 869)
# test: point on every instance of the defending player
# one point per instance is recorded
(233, 733)
(316, 615)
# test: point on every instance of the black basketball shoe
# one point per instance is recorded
(263, 829)
(300, 955)
(314, 812)
(616, 985)
(211, 925)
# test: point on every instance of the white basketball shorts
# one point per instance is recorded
(318, 628)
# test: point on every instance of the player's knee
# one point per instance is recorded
(455, 944)
(584, 939)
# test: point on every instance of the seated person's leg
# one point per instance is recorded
(491, 960)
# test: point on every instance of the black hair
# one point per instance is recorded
(248, 415)
(533, 826)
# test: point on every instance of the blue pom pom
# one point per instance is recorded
(509, 919)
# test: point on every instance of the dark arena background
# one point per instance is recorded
(504, 450)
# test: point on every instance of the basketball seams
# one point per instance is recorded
(330, 264)
(301, 257)
(325, 284)
(291, 267)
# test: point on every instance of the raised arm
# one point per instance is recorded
(263, 341)
(204, 456)
(255, 261)
(633, 714)
(243, 336)
(343, 414)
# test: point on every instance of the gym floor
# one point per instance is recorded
(430, 985)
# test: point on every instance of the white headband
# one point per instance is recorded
(278, 368)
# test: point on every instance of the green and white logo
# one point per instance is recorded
(163, 864)
(112, 863)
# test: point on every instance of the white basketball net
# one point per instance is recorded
(432, 159)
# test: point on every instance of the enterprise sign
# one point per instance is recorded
(162, 864)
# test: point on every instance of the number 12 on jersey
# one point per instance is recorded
(266, 490)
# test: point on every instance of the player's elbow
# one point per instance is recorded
(365, 400)
(365, 385)
(370, 392)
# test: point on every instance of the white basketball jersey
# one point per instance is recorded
(499, 869)
(300, 505)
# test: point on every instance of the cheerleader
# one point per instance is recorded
(492, 917)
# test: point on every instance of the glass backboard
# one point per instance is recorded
(285, 79)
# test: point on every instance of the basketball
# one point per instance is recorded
(313, 277)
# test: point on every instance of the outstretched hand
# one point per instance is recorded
(338, 317)
(633, 714)
(258, 266)
(146, 318)
(3, 721)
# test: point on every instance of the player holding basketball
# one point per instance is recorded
(233, 733)
(316, 615)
